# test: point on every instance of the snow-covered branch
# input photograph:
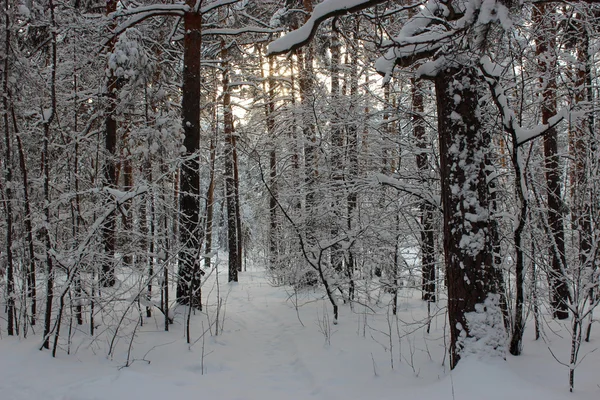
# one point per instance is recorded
(155, 8)
(238, 31)
(418, 192)
(217, 4)
(323, 11)
(492, 72)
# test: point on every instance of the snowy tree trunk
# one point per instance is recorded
(473, 309)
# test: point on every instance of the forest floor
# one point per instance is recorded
(269, 349)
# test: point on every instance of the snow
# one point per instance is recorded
(24, 10)
(264, 352)
(217, 4)
(321, 12)
(525, 135)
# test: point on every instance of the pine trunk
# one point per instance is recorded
(545, 46)
(473, 310)
(190, 229)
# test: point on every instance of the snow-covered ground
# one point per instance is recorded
(268, 350)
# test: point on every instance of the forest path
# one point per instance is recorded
(263, 335)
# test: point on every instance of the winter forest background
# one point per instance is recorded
(417, 180)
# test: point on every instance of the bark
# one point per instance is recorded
(468, 244)
(188, 284)
(230, 192)
(308, 132)
(75, 208)
(516, 342)
(210, 195)
(10, 282)
(31, 278)
(582, 169)
(128, 243)
(107, 278)
(269, 90)
(148, 232)
(426, 210)
(352, 148)
(46, 170)
(238, 215)
(337, 152)
(545, 44)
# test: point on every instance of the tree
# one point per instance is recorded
(545, 42)
(473, 307)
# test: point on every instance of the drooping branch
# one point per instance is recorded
(519, 134)
(325, 10)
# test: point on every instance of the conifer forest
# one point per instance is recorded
(267, 199)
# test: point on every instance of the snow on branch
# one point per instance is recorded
(166, 8)
(436, 27)
(492, 72)
(420, 37)
(238, 31)
(217, 4)
(137, 17)
(524, 135)
(419, 192)
(323, 11)
(123, 197)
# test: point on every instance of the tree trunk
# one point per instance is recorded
(422, 159)
(516, 342)
(237, 204)
(473, 310)
(107, 278)
(545, 45)
(31, 278)
(352, 149)
(188, 284)
(337, 153)
(269, 92)
(10, 280)
(308, 132)
(46, 170)
(210, 195)
(230, 194)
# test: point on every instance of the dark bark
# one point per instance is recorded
(190, 227)
(31, 278)
(148, 233)
(210, 195)
(269, 90)
(128, 243)
(337, 152)
(516, 342)
(308, 131)
(46, 170)
(468, 243)
(230, 192)
(426, 210)
(10, 280)
(107, 278)
(352, 149)
(238, 215)
(545, 45)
